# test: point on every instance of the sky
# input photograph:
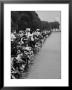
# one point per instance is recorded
(49, 16)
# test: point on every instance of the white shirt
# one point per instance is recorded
(12, 37)
(28, 48)
(36, 33)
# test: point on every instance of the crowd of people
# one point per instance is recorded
(25, 44)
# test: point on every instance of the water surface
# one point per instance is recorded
(47, 64)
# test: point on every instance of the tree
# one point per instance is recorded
(54, 25)
(45, 25)
(25, 19)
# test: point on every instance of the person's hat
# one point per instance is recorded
(38, 29)
(27, 29)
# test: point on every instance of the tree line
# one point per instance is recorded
(20, 20)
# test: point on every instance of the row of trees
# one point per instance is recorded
(24, 19)
(20, 20)
(50, 25)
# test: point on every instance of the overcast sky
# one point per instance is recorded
(49, 16)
